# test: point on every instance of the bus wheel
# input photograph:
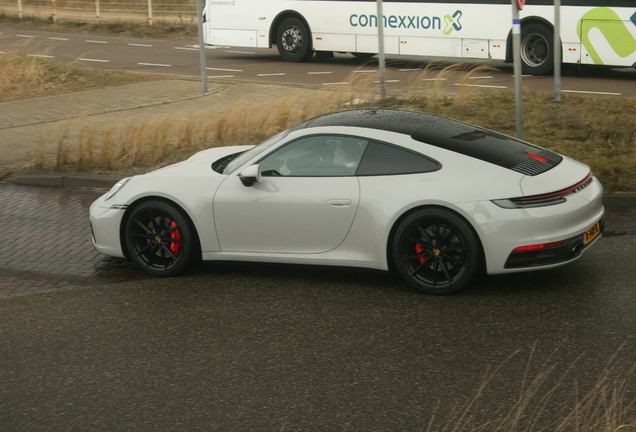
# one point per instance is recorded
(537, 49)
(293, 40)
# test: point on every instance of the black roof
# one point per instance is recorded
(392, 120)
(453, 135)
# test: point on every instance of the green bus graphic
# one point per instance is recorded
(613, 29)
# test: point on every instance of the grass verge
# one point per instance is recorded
(176, 29)
(597, 132)
(23, 77)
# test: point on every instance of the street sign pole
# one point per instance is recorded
(516, 57)
(557, 50)
(381, 58)
(204, 72)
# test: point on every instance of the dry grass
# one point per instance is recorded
(23, 76)
(597, 132)
(548, 400)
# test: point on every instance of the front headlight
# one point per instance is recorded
(120, 184)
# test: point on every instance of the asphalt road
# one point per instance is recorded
(181, 58)
(235, 347)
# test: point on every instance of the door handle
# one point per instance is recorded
(338, 202)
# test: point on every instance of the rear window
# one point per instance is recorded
(383, 159)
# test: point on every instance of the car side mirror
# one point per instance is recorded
(250, 175)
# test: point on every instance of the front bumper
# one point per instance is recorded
(105, 226)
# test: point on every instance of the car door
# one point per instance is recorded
(308, 209)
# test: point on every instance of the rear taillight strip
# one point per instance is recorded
(574, 188)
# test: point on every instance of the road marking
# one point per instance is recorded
(483, 86)
(224, 70)
(481, 77)
(209, 47)
(318, 73)
(434, 79)
(96, 41)
(94, 60)
(40, 55)
(154, 64)
(271, 74)
(24, 36)
(221, 76)
(336, 83)
(364, 71)
(389, 81)
(187, 49)
(140, 45)
(592, 92)
(240, 52)
(59, 38)
(409, 70)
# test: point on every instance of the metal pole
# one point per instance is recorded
(204, 72)
(516, 57)
(97, 10)
(149, 12)
(557, 50)
(381, 58)
(20, 9)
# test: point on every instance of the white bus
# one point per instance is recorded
(601, 32)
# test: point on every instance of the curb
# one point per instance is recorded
(98, 181)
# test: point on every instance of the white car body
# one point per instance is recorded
(349, 220)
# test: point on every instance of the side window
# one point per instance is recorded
(316, 156)
(384, 159)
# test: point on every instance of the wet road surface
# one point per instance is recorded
(292, 348)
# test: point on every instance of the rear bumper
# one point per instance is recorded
(569, 251)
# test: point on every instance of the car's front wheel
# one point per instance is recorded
(435, 251)
(159, 238)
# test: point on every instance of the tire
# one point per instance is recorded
(159, 238)
(293, 40)
(435, 251)
(537, 49)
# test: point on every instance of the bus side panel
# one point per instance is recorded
(608, 42)
(369, 44)
(431, 46)
(233, 38)
(237, 23)
(334, 42)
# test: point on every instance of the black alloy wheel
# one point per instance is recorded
(159, 238)
(537, 49)
(435, 251)
(293, 40)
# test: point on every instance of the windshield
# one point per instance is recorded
(253, 152)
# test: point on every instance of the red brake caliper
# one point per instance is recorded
(175, 235)
(419, 249)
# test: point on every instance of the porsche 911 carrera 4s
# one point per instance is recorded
(431, 198)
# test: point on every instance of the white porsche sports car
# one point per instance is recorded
(432, 198)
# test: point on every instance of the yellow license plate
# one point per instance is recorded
(591, 233)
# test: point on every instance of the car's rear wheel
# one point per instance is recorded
(159, 238)
(435, 251)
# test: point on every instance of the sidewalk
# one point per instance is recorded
(24, 123)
